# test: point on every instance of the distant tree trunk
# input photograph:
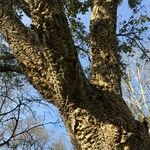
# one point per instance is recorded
(93, 110)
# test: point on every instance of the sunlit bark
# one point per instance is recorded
(104, 52)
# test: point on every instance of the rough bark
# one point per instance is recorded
(95, 114)
(105, 71)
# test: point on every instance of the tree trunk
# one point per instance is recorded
(93, 110)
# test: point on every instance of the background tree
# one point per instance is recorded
(134, 45)
(91, 108)
(136, 86)
(28, 135)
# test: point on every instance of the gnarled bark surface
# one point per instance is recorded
(93, 110)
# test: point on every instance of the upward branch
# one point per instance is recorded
(47, 54)
(105, 71)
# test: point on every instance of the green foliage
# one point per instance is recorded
(133, 34)
(12, 79)
(74, 7)
(74, 10)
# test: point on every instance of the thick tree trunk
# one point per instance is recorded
(95, 114)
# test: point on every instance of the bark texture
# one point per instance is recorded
(105, 71)
(94, 113)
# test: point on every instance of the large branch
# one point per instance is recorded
(50, 60)
(105, 58)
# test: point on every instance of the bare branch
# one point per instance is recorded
(8, 112)
(138, 43)
(6, 142)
